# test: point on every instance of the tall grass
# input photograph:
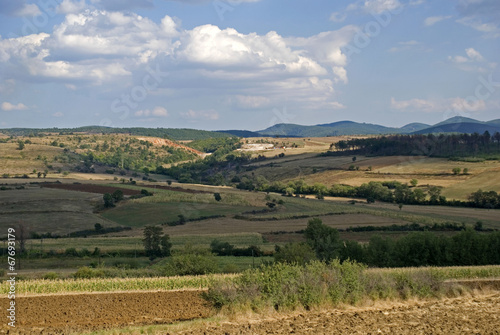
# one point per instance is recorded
(44, 286)
(449, 272)
(281, 286)
(286, 287)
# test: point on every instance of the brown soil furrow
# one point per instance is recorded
(62, 314)
(91, 188)
(466, 315)
(65, 314)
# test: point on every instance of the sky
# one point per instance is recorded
(247, 64)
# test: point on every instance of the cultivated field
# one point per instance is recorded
(70, 314)
(75, 313)
(149, 306)
(45, 210)
(467, 315)
(193, 217)
(428, 171)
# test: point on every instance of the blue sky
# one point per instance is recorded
(247, 64)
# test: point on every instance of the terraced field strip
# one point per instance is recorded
(92, 188)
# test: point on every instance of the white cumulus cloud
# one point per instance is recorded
(439, 105)
(375, 6)
(473, 61)
(156, 112)
(97, 48)
(7, 106)
(69, 6)
(432, 20)
(200, 115)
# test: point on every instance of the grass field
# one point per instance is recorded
(112, 285)
(202, 282)
(120, 267)
(107, 244)
(133, 215)
(25, 161)
(244, 219)
(44, 210)
(428, 171)
(331, 170)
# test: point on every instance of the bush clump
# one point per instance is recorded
(284, 286)
(190, 261)
(86, 273)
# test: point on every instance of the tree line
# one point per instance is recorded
(170, 133)
(467, 247)
(431, 145)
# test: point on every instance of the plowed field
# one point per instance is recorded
(65, 314)
(471, 315)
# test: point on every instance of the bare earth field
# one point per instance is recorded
(468, 315)
(67, 314)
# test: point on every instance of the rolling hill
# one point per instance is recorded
(456, 124)
(177, 134)
(464, 127)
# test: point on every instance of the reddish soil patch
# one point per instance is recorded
(180, 189)
(163, 142)
(63, 314)
(283, 237)
(91, 188)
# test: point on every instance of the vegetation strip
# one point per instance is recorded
(44, 286)
(285, 287)
(59, 286)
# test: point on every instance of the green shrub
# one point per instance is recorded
(51, 275)
(190, 261)
(86, 273)
(285, 286)
(71, 252)
(294, 253)
(416, 283)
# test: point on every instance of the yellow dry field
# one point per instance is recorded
(304, 144)
(460, 214)
(428, 171)
(15, 161)
(487, 181)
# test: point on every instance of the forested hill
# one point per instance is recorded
(171, 133)
(454, 145)
(457, 124)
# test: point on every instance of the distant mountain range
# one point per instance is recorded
(457, 124)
